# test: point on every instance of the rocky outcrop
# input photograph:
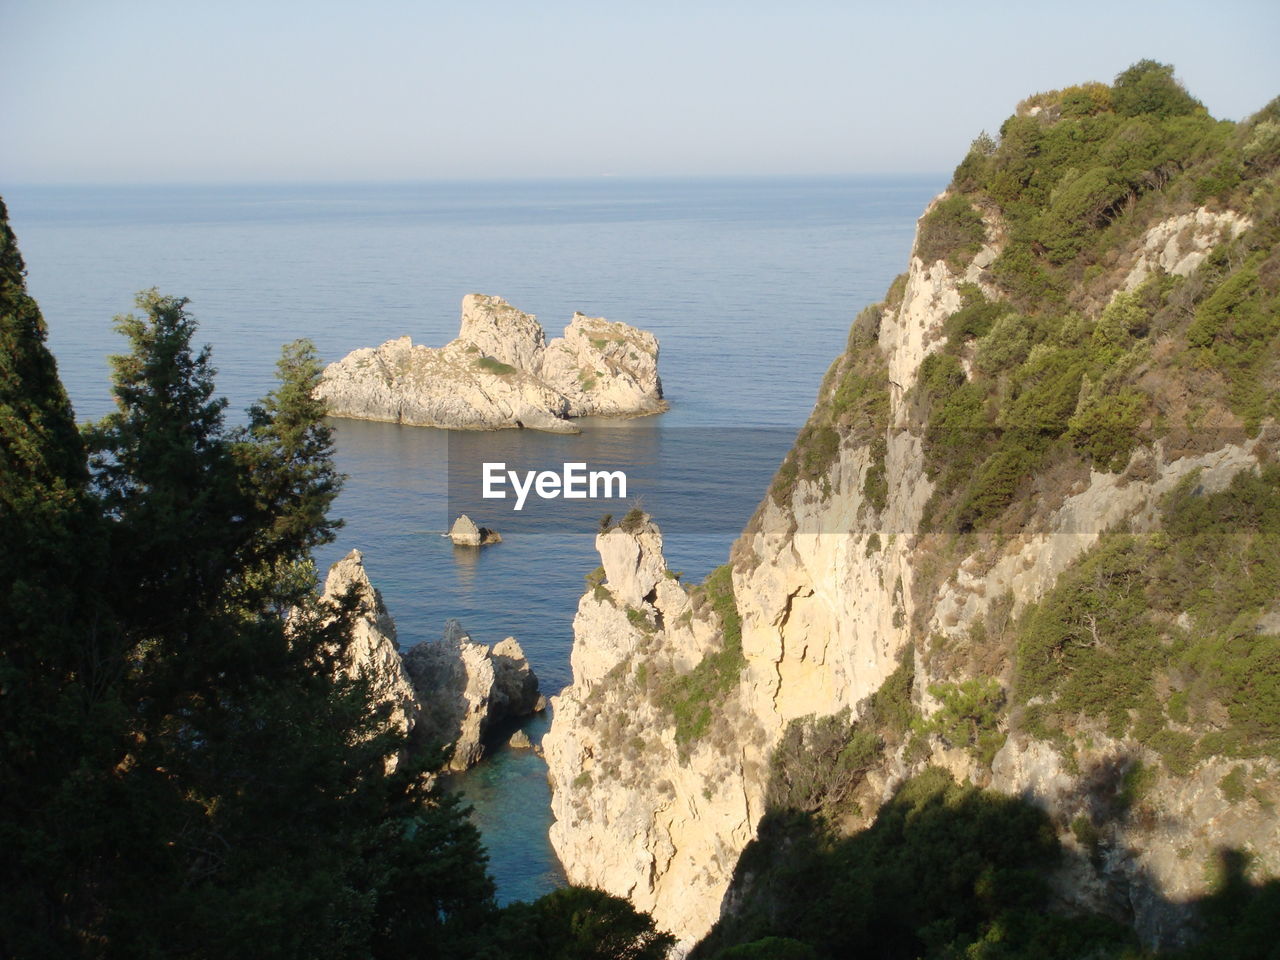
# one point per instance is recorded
(640, 811)
(831, 591)
(452, 694)
(465, 533)
(520, 741)
(500, 372)
(604, 369)
(822, 624)
(467, 690)
(1180, 244)
(374, 649)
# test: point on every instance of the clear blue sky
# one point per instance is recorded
(193, 90)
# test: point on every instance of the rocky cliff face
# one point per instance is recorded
(661, 752)
(467, 690)
(454, 693)
(500, 372)
(374, 649)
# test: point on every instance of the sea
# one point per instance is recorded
(750, 285)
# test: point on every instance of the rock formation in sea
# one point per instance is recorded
(454, 693)
(500, 372)
(468, 691)
(1009, 542)
(466, 533)
(375, 650)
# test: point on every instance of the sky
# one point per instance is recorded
(145, 91)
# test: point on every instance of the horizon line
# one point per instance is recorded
(461, 180)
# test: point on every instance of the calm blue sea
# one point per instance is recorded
(749, 284)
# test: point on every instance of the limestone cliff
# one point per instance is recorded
(500, 372)
(453, 694)
(374, 649)
(1016, 503)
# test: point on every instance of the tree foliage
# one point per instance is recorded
(577, 923)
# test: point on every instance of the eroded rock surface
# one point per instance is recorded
(374, 649)
(466, 690)
(466, 533)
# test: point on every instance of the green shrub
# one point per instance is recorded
(769, 948)
(952, 231)
(491, 365)
(1086, 834)
(889, 710)
(819, 762)
(1082, 204)
(638, 620)
(866, 327)
(1104, 645)
(634, 521)
(693, 698)
(1105, 429)
(1135, 784)
(943, 871)
(897, 290)
(970, 716)
(975, 317)
(1235, 786)
(875, 485)
(719, 590)
(1149, 87)
(573, 923)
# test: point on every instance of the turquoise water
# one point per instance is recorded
(750, 285)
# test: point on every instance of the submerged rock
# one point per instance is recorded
(465, 533)
(500, 372)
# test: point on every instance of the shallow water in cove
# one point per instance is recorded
(749, 284)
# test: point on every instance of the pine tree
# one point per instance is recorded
(62, 725)
(276, 831)
(291, 457)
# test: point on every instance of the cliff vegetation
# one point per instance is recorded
(1003, 678)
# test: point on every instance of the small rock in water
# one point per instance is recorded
(520, 741)
(465, 533)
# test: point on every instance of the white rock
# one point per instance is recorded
(1180, 244)
(633, 562)
(465, 533)
(499, 374)
(374, 651)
